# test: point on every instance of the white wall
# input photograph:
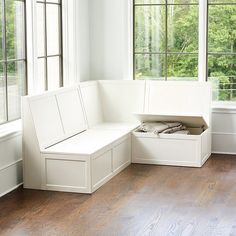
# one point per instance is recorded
(10, 162)
(76, 41)
(224, 130)
(110, 47)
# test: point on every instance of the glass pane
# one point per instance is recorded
(221, 1)
(16, 88)
(166, 1)
(222, 28)
(150, 1)
(53, 1)
(54, 73)
(3, 116)
(183, 28)
(182, 67)
(41, 75)
(15, 29)
(53, 29)
(1, 31)
(183, 1)
(150, 66)
(222, 73)
(150, 29)
(41, 29)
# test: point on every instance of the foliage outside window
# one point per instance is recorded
(166, 39)
(222, 48)
(12, 58)
(49, 44)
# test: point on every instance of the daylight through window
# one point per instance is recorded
(12, 58)
(222, 48)
(166, 39)
(49, 40)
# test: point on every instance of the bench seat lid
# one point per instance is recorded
(87, 143)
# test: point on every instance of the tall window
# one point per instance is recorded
(222, 48)
(12, 58)
(49, 40)
(166, 39)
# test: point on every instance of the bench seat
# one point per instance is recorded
(125, 126)
(88, 142)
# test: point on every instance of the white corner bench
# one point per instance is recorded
(76, 139)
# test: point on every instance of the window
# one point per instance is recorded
(166, 39)
(222, 48)
(49, 44)
(12, 58)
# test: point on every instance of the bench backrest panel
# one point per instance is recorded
(57, 115)
(120, 99)
(47, 120)
(178, 98)
(92, 102)
(71, 111)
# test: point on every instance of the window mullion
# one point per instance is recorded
(61, 46)
(166, 39)
(5, 56)
(202, 58)
(46, 47)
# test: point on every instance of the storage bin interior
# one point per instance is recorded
(194, 125)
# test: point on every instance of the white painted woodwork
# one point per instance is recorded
(186, 102)
(76, 139)
(47, 120)
(71, 111)
(120, 99)
(92, 102)
(101, 167)
(178, 98)
(87, 143)
(121, 155)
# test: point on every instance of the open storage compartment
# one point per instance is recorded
(191, 149)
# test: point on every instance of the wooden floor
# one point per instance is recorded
(142, 200)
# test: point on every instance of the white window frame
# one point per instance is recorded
(70, 33)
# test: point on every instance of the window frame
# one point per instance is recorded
(166, 53)
(60, 31)
(208, 53)
(5, 61)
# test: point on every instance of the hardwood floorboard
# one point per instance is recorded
(142, 200)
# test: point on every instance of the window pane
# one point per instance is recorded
(183, 28)
(41, 75)
(16, 88)
(182, 67)
(222, 28)
(53, 32)
(150, 29)
(222, 72)
(54, 73)
(150, 1)
(221, 1)
(150, 66)
(1, 31)
(3, 117)
(182, 1)
(53, 1)
(15, 29)
(41, 29)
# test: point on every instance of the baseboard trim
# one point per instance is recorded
(225, 153)
(11, 189)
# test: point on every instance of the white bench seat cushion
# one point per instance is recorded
(117, 126)
(86, 143)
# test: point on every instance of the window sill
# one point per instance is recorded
(224, 107)
(10, 129)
